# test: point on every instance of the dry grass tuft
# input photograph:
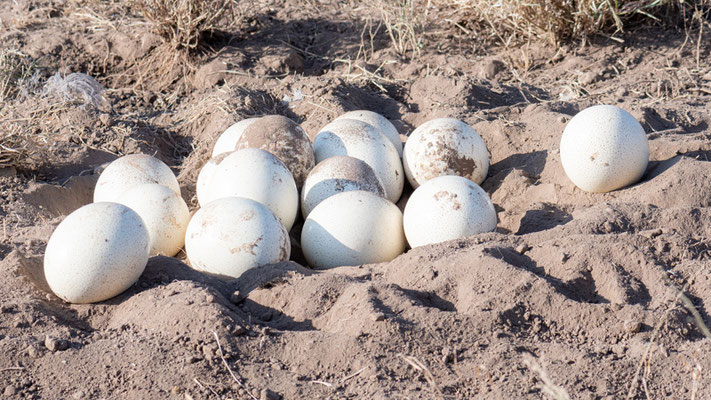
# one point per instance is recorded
(17, 73)
(550, 389)
(510, 22)
(31, 123)
(183, 23)
(185, 26)
(405, 22)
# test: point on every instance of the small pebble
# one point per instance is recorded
(34, 352)
(587, 78)
(522, 248)
(377, 317)
(267, 394)
(633, 326)
(54, 344)
(236, 297)
(9, 390)
(78, 395)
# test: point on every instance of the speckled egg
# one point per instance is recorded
(285, 139)
(349, 137)
(379, 122)
(352, 228)
(231, 235)
(447, 208)
(165, 214)
(228, 139)
(258, 175)
(96, 252)
(335, 175)
(604, 148)
(131, 170)
(205, 175)
(445, 146)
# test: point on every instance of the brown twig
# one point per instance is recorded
(222, 356)
(548, 387)
(421, 367)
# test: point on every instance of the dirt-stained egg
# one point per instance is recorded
(352, 228)
(353, 138)
(96, 252)
(447, 208)
(604, 148)
(231, 235)
(379, 122)
(285, 139)
(164, 213)
(131, 170)
(445, 146)
(228, 139)
(335, 175)
(205, 175)
(258, 175)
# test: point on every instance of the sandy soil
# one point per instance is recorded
(588, 293)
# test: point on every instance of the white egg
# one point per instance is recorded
(349, 137)
(231, 235)
(96, 252)
(258, 175)
(378, 121)
(447, 208)
(205, 176)
(285, 139)
(228, 139)
(604, 148)
(131, 170)
(335, 175)
(165, 214)
(352, 228)
(445, 146)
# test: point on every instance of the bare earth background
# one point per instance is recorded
(602, 296)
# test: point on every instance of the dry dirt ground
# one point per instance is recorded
(602, 296)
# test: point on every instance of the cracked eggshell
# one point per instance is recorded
(445, 146)
(132, 170)
(285, 139)
(164, 213)
(447, 208)
(231, 235)
(205, 176)
(96, 252)
(352, 228)
(335, 175)
(379, 122)
(228, 139)
(604, 148)
(349, 137)
(258, 175)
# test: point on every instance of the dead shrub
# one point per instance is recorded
(184, 26)
(510, 22)
(183, 23)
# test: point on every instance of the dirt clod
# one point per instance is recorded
(54, 344)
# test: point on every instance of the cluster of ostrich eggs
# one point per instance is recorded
(267, 178)
(102, 248)
(348, 199)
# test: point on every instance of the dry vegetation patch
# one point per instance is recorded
(184, 26)
(513, 22)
